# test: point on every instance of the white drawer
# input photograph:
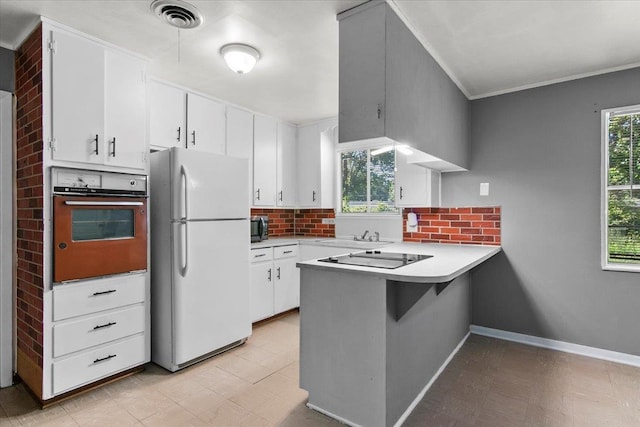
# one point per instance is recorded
(259, 255)
(90, 331)
(96, 364)
(103, 294)
(285, 251)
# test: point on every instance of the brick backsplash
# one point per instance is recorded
(280, 220)
(469, 225)
(308, 222)
(29, 197)
(298, 222)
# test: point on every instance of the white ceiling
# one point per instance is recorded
(487, 47)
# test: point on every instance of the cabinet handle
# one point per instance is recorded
(379, 111)
(110, 291)
(113, 153)
(259, 255)
(96, 141)
(193, 137)
(280, 195)
(111, 356)
(258, 194)
(269, 275)
(278, 273)
(287, 252)
(314, 196)
(400, 193)
(106, 325)
(179, 129)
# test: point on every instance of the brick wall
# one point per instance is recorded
(480, 226)
(280, 220)
(298, 222)
(308, 222)
(29, 198)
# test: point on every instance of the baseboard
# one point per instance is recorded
(583, 350)
(420, 395)
(334, 416)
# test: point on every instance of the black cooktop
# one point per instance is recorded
(377, 259)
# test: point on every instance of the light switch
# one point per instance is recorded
(484, 188)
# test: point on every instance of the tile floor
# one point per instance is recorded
(489, 383)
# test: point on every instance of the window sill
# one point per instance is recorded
(628, 268)
(389, 215)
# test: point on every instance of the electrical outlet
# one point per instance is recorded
(328, 220)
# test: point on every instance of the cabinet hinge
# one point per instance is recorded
(52, 144)
(51, 45)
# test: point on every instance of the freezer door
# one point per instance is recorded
(208, 186)
(210, 286)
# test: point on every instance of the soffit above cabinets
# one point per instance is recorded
(486, 47)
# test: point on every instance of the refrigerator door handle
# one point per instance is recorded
(185, 176)
(184, 250)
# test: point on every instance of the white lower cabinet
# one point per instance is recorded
(100, 328)
(275, 281)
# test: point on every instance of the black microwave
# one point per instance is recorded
(259, 228)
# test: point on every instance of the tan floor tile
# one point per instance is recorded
(254, 420)
(105, 414)
(37, 416)
(292, 370)
(244, 369)
(144, 402)
(303, 416)
(544, 417)
(86, 401)
(180, 388)
(203, 402)
(174, 417)
(253, 397)
(227, 414)
(221, 382)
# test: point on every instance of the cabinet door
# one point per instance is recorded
(286, 293)
(167, 106)
(309, 164)
(264, 161)
(362, 76)
(125, 111)
(411, 183)
(286, 165)
(261, 291)
(77, 99)
(240, 140)
(205, 124)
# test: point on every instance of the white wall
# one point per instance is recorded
(389, 226)
(6, 239)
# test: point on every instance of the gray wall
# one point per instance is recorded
(7, 75)
(540, 151)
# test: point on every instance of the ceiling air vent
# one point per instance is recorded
(178, 13)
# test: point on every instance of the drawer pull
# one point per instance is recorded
(106, 325)
(111, 356)
(287, 252)
(259, 255)
(110, 291)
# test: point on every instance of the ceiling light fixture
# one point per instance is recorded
(404, 149)
(241, 58)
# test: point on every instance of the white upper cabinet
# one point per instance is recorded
(206, 124)
(77, 99)
(98, 104)
(264, 161)
(286, 165)
(166, 116)
(240, 139)
(416, 185)
(316, 165)
(125, 111)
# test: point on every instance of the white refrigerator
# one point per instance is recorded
(200, 243)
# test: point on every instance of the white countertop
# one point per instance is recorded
(448, 262)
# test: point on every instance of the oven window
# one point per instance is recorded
(100, 224)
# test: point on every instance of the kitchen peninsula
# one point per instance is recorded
(373, 339)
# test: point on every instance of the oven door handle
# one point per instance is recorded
(83, 203)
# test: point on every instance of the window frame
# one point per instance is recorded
(605, 189)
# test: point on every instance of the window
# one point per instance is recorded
(621, 195)
(368, 181)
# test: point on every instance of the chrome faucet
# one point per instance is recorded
(364, 235)
(377, 236)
